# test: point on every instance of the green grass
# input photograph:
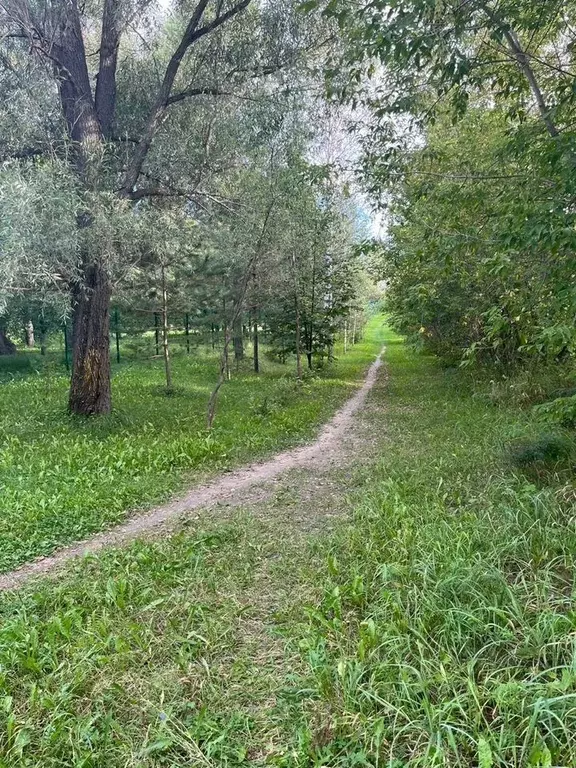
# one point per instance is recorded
(113, 666)
(446, 631)
(435, 627)
(63, 478)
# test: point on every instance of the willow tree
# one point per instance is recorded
(204, 51)
(56, 33)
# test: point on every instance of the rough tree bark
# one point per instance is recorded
(90, 385)
(62, 43)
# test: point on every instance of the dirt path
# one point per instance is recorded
(230, 489)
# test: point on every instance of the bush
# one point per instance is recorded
(544, 450)
(561, 411)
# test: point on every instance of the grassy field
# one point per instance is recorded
(62, 478)
(445, 634)
(435, 627)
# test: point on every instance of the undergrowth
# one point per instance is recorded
(112, 667)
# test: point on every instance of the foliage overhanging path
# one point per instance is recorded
(226, 489)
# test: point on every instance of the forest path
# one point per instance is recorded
(338, 440)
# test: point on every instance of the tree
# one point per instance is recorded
(450, 49)
(60, 38)
(471, 152)
(409, 62)
(479, 264)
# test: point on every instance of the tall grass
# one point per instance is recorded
(113, 667)
(445, 634)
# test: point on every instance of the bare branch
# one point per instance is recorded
(207, 91)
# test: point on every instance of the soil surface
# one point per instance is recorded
(340, 438)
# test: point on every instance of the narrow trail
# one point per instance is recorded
(229, 489)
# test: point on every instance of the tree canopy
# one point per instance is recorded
(160, 157)
(470, 150)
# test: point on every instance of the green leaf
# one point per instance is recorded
(160, 745)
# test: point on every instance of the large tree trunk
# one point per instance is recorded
(57, 36)
(90, 385)
(7, 347)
